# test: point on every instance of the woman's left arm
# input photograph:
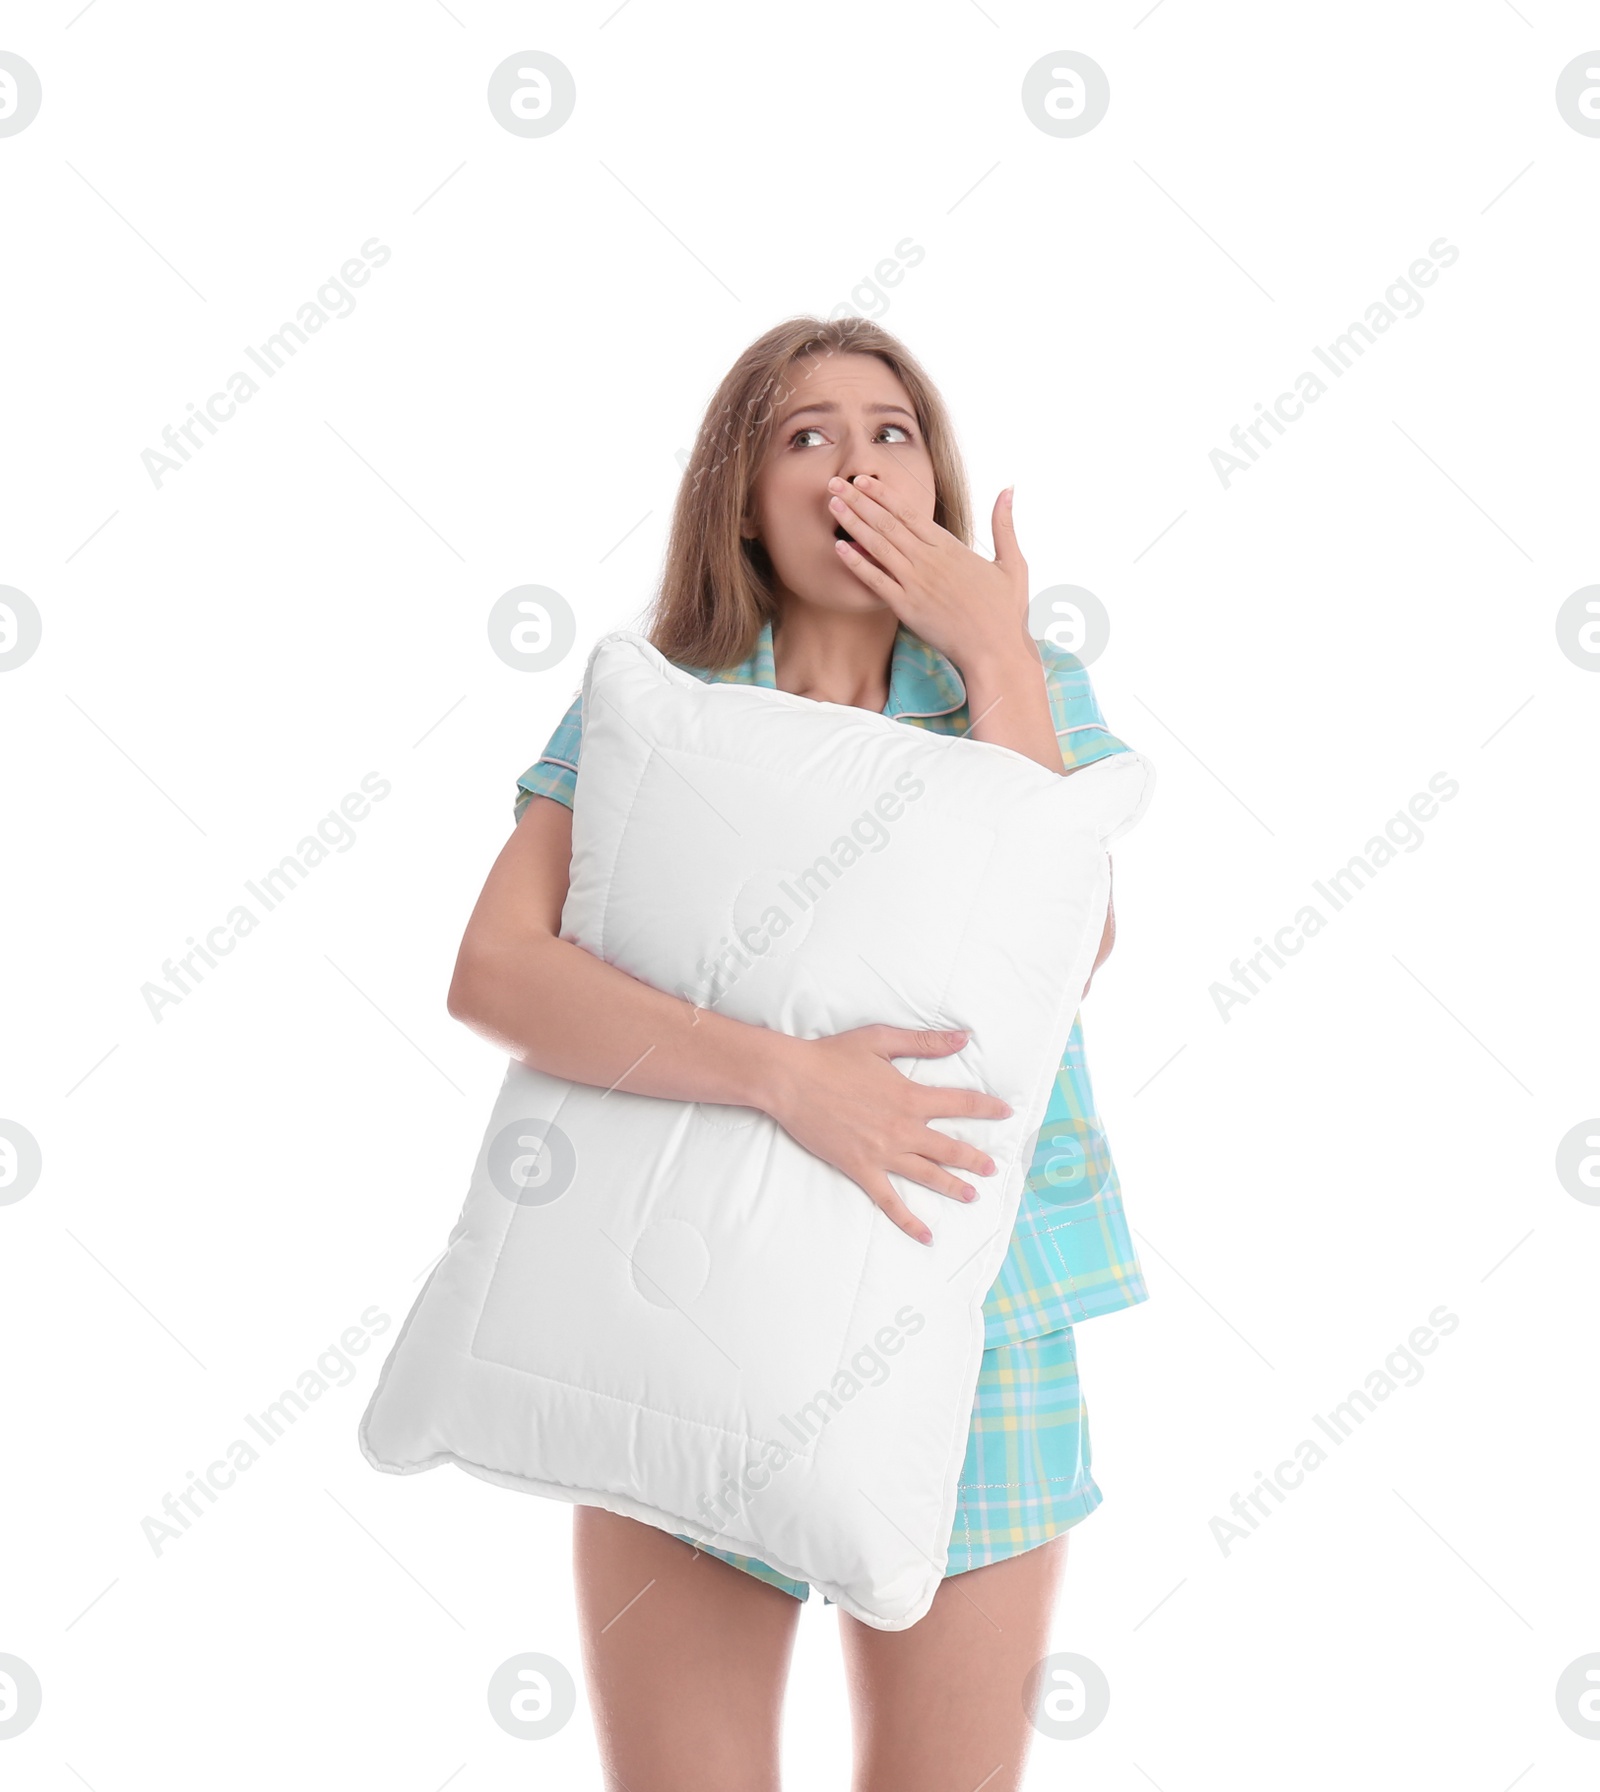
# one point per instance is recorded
(1009, 700)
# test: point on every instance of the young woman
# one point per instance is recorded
(822, 431)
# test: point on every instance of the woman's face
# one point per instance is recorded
(841, 414)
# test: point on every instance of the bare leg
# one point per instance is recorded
(941, 1704)
(685, 1656)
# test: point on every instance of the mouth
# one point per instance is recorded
(840, 533)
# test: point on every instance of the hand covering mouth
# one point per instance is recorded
(840, 533)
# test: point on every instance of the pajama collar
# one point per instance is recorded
(922, 680)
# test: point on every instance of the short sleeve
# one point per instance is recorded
(555, 772)
(1080, 727)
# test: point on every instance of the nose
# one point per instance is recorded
(861, 458)
(858, 451)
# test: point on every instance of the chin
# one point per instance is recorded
(850, 594)
(845, 580)
(833, 586)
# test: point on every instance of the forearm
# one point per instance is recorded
(1008, 701)
(557, 1008)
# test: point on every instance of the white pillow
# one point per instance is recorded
(671, 1309)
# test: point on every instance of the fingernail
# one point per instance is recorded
(925, 1235)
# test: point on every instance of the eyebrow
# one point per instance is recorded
(830, 408)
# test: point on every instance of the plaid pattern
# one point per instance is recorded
(1072, 1256)
(1026, 1476)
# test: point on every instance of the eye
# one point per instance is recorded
(812, 429)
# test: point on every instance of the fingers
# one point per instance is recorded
(927, 1042)
(869, 498)
(939, 1148)
(875, 529)
(889, 1204)
(1003, 528)
(977, 1104)
(928, 1175)
(871, 576)
(917, 1042)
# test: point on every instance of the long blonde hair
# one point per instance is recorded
(717, 588)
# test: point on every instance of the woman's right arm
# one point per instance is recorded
(556, 1007)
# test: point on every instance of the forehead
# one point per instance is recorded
(841, 381)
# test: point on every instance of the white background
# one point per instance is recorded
(225, 1191)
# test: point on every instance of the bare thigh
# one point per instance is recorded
(685, 1656)
(942, 1704)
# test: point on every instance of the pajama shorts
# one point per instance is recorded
(1026, 1476)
